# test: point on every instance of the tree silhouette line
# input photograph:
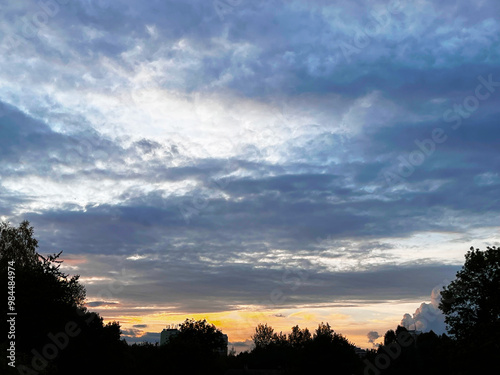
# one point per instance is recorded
(56, 334)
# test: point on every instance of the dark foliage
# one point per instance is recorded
(300, 352)
(199, 348)
(54, 332)
(471, 304)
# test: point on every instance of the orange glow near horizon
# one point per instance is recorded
(354, 322)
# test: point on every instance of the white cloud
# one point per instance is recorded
(427, 316)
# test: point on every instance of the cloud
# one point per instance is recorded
(266, 216)
(237, 344)
(372, 336)
(427, 316)
(100, 303)
(241, 346)
(208, 157)
(134, 336)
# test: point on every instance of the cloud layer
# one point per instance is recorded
(269, 154)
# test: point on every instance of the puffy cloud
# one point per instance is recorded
(427, 316)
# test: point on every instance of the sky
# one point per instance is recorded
(280, 162)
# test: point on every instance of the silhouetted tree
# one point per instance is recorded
(263, 336)
(389, 337)
(48, 301)
(298, 338)
(280, 340)
(200, 334)
(324, 333)
(332, 351)
(407, 353)
(471, 302)
(300, 353)
(44, 296)
(199, 348)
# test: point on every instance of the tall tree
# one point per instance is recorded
(324, 333)
(263, 336)
(389, 337)
(200, 334)
(299, 338)
(471, 302)
(199, 348)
